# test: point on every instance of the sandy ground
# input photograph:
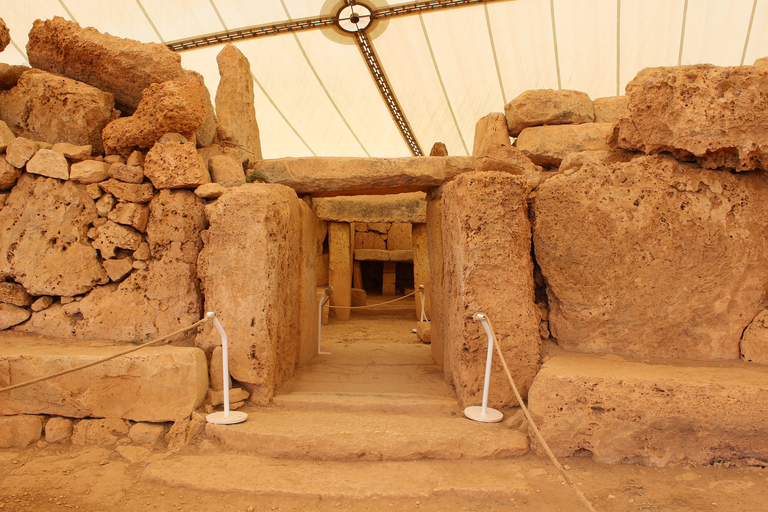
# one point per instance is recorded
(92, 478)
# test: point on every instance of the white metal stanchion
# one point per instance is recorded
(485, 414)
(326, 297)
(423, 303)
(225, 417)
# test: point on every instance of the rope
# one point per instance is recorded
(551, 455)
(375, 305)
(94, 363)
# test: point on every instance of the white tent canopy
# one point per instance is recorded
(447, 67)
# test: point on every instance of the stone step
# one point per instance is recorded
(259, 475)
(653, 414)
(326, 435)
(398, 403)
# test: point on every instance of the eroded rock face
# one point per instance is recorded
(168, 107)
(54, 108)
(549, 145)
(5, 35)
(226, 171)
(8, 174)
(713, 115)
(653, 258)
(547, 106)
(610, 109)
(9, 75)
(11, 315)
(234, 102)
(20, 431)
(171, 164)
(43, 238)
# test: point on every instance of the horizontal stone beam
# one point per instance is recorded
(332, 176)
(410, 207)
(383, 255)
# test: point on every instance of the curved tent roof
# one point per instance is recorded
(405, 75)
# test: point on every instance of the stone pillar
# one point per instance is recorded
(389, 278)
(307, 286)
(435, 245)
(357, 275)
(340, 267)
(488, 269)
(421, 267)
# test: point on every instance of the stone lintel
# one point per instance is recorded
(383, 255)
(410, 207)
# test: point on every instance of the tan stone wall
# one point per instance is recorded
(307, 285)
(436, 295)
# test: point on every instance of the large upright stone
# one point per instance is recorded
(249, 270)
(171, 164)
(53, 108)
(491, 132)
(43, 237)
(545, 107)
(307, 294)
(549, 145)
(653, 258)
(234, 103)
(436, 274)
(488, 269)
(713, 115)
(421, 268)
(340, 267)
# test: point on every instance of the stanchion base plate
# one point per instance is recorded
(323, 353)
(220, 417)
(475, 413)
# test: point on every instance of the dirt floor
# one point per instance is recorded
(93, 478)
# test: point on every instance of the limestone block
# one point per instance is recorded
(610, 109)
(113, 159)
(369, 240)
(131, 192)
(43, 237)
(488, 269)
(9, 75)
(50, 164)
(379, 227)
(573, 161)
(399, 237)
(118, 269)
(548, 107)
(142, 253)
(126, 173)
(389, 278)
(20, 150)
(53, 108)
(307, 293)
(72, 151)
(11, 315)
(105, 204)
(111, 236)
(58, 430)
(13, 293)
(421, 268)
(135, 159)
(6, 136)
(754, 342)
(388, 289)
(371, 255)
(168, 107)
(649, 414)
(424, 331)
(20, 431)
(249, 269)
(226, 171)
(209, 191)
(175, 165)
(761, 62)
(438, 149)
(548, 145)
(340, 267)
(89, 171)
(146, 433)
(491, 132)
(410, 207)
(176, 219)
(652, 258)
(138, 386)
(713, 115)
(102, 432)
(42, 303)
(401, 255)
(8, 174)
(359, 297)
(92, 189)
(235, 102)
(235, 395)
(435, 244)
(130, 214)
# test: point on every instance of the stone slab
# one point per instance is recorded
(383, 255)
(548, 107)
(154, 384)
(410, 207)
(549, 145)
(638, 413)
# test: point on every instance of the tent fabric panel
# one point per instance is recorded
(758, 38)
(199, 18)
(710, 31)
(247, 13)
(19, 16)
(123, 18)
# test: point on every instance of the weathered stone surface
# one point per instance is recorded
(9, 75)
(713, 115)
(424, 331)
(410, 207)
(340, 268)
(43, 238)
(126, 173)
(235, 395)
(6, 136)
(762, 62)
(420, 246)
(58, 430)
(130, 214)
(754, 342)
(436, 274)
(111, 236)
(168, 107)
(548, 107)
(8, 174)
(209, 191)
(72, 151)
(216, 370)
(226, 171)
(13, 293)
(653, 258)
(143, 252)
(399, 237)
(650, 414)
(135, 159)
(11, 315)
(104, 205)
(548, 145)
(369, 240)
(42, 303)
(356, 176)
(89, 171)
(488, 269)
(146, 433)
(438, 149)
(50, 164)
(106, 432)
(20, 431)
(53, 108)
(491, 132)
(5, 35)
(175, 165)
(20, 150)
(234, 103)
(93, 189)
(137, 386)
(131, 192)
(118, 269)
(611, 108)
(249, 271)
(612, 156)
(382, 255)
